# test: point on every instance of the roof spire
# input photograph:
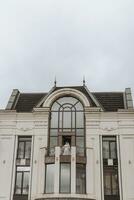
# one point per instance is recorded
(84, 81)
(55, 82)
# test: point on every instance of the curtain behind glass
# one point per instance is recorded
(50, 178)
(65, 179)
(80, 179)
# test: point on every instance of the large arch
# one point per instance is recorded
(66, 91)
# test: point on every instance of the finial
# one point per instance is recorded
(84, 81)
(55, 82)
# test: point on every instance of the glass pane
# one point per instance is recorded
(80, 151)
(80, 179)
(53, 144)
(80, 146)
(80, 142)
(21, 150)
(50, 178)
(55, 107)
(18, 183)
(25, 183)
(53, 141)
(28, 150)
(105, 150)
(79, 120)
(79, 106)
(113, 150)
(60, 119)
(54, 119)
(80, 132)
(73, 119)
(53, 132)
(107, 184)
(67, 120)
(67, 106)
(65, 181)
(115, 184)
(64, 100)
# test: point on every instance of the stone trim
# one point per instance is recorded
(66, 91)
(67, 198)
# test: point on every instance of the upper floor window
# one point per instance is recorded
(67, 124)
(23, 165)
(24, 148)
(109, 147)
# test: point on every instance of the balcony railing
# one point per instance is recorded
(66, 151)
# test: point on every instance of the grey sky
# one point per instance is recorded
(67, 38)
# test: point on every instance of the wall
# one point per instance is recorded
(7, 144)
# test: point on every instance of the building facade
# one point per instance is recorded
(69, 143)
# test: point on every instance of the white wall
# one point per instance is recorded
(127, 165)
(6, 165)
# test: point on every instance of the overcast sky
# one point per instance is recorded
(41, 39)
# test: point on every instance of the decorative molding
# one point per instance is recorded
(108, 126)
(66, 91)
(25, 128)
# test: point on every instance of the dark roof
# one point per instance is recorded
(110, 101)
(27, 101)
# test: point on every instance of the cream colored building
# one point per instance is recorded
(69, 143)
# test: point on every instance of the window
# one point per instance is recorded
(49, 178)
(22, 181)
(23, 168)
(111, 182)
(65, 178)
(80, 179)
(67, 124)
(109, 148)
(110, 169)
(24, 148)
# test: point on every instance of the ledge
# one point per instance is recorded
(67, 198)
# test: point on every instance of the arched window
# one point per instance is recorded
(67, 124)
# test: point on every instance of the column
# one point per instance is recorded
(57, 170)
(90, 171)
(41, 170)
(73, 170)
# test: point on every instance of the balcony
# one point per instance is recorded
(66, 151)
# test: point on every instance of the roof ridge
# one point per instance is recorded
(33, 93)
(110, 92)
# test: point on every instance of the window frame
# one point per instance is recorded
(111, 172)
(84, 180)
(69, 164)
(22, 182)
(22, 139)
(71, 131)
(46, 178)
(109, 141)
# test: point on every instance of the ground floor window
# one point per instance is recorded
(111, 182)
(80, 179)
(22, 181)
(49, 178)
(65, 178)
